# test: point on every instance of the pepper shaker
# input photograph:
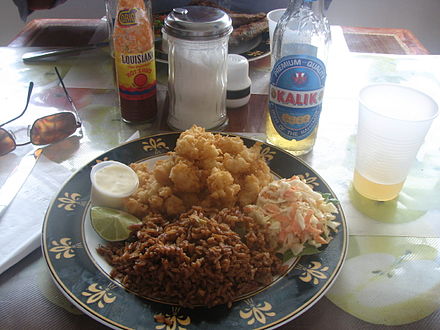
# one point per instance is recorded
(197, 66)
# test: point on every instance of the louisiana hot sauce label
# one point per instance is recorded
(134, 54)
(136, 75)
(295, 95)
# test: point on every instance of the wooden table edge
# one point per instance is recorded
(31, 30)
(407, 40)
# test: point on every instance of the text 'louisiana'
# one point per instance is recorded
(136, 59)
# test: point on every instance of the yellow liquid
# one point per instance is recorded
(375, 191)
(296, 147)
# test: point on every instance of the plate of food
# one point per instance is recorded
(221, 231)
(249, 38)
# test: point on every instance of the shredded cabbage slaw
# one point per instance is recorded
(296, 214)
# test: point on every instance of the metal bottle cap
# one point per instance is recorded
(197, 23)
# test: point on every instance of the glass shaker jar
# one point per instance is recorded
(197, 66)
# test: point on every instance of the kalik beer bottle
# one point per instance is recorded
(299, 53)
(133, 42)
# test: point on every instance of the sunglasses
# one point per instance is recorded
(45, 130)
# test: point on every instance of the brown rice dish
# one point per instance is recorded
(204, 258)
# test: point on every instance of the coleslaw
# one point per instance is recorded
(297, 215)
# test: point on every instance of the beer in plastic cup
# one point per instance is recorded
(393, 122)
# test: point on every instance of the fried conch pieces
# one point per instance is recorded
(205, 169)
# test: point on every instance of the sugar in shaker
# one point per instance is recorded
(197, 66)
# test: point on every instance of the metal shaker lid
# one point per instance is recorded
(197, 23)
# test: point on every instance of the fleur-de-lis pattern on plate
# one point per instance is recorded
(70, 201)
(256, 312)
(100, 295)
(102, 160)
(255, 53)
(155, 144)
(267, 154)
(314, 272)
(173, 320)
(312, 181)
(64, 248)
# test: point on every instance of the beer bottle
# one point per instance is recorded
(133, 42)
(299, 52)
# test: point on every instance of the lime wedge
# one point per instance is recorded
(111, 224)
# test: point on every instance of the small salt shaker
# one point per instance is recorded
(239, 84)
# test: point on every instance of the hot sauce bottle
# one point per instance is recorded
(133, 41)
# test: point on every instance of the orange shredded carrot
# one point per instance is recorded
(272, 208)
(319, 239)
(282, 218)
(289, 194)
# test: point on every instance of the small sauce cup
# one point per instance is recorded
(112, 182)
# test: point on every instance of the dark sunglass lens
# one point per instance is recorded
(7, 142)
(53, 128)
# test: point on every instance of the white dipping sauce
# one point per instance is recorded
(114, 179)
(111, 183)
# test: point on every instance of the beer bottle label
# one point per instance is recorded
(136, 75)
(295, 95)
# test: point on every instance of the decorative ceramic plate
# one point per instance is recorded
(69, 247)
(253, 49)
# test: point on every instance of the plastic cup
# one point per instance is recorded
(273, 17)
(393, 123)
